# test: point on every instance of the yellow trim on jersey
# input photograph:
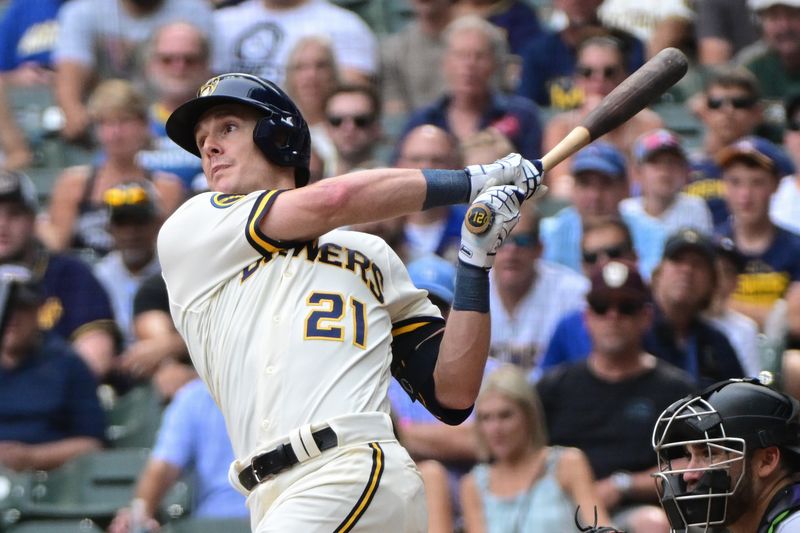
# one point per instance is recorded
(252, 225)
(409, 328)
(222, 200)
(369, 491)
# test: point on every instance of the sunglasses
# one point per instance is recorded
(521, 241)
(741, 102)
(608, 72)
(601, 306)
(360, 121)
(612, 252)
(190, 60)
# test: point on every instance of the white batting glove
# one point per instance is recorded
(489, 220)
(513, 169)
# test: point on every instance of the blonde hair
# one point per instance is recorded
(327, 47)
(510, 382)
(116, 96)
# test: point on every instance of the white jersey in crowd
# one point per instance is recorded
(784, 208)
(685, 212)
(521, 338)
(252, 38)
(280, 337)
(641, 17)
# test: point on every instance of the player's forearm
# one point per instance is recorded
(359, 197)
(462, 358)
(54, 454)
(157, 478)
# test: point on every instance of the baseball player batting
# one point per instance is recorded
(296, 326)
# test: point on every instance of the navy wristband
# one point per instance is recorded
(472, 289)
(446, 187)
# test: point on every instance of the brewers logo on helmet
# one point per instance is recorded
(281, 133)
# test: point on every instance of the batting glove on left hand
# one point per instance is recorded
(513, 169)
(489, 220)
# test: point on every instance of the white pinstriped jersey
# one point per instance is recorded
(284, 337)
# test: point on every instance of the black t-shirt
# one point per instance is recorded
(151, 296)
(611, 422)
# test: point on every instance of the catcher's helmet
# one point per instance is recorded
(727, 420)
(281, 134)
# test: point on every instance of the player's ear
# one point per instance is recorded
(765, 461)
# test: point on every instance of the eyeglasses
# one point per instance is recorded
(740, 102)
(609, 71)
(523, 240)
(189, 60)
(360, 121)
(601, 306)
(612, 252)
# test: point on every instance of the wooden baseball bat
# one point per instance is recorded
(649, 82)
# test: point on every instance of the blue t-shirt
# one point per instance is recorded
(28, 33)
(548, 63)
(516, 117)
(50, 396)
(193, 435)
(74, 299)
(165, 155)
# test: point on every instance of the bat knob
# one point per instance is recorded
(479, 218)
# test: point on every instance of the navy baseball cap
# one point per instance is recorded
(690, 239)
(435, 275)
(18, 187)
(655, 142)
(601, 157)
(759, 151)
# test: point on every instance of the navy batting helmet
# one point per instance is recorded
(281, 134)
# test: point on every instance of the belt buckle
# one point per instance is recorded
(270, 463)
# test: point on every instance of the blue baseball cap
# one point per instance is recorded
(760, 151)
(655, 142)
(601, 157)
(435, 275)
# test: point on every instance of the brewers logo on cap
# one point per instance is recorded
(479, 218)
(209, 87)
(615, 274)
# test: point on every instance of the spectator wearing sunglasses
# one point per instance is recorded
(599, 69)
(605, 239)
(549, 62)
(601, 183)
(730, 108)
(528, 297)
(352, 113)
(663, 171)
(606, 403)
(176, 64)
(751, 171)
(785, 205)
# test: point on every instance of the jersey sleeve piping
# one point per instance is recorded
(257, 239)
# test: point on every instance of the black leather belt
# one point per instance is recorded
(281, 458)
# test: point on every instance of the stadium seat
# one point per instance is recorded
(680, 119)
(91, 486)
(207, 525)
(56, 526)
(133, 418)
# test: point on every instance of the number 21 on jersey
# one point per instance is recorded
(327, 318)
